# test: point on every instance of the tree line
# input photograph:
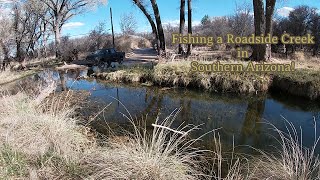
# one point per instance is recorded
(30, 23)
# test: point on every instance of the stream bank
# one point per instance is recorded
(303, 83)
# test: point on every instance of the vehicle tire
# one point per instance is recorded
(120, 61)
(108, 64)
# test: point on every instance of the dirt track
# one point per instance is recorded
(141, 56)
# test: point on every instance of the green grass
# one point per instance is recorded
(12, 164)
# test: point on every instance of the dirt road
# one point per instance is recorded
(141, 56)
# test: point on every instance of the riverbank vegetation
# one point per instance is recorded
(301, 82)
(39, 142)
(8, 76)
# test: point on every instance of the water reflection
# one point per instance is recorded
(243, 120)
(251, 128)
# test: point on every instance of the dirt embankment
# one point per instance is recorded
(300, 83)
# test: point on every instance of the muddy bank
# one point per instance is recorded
(303, 83)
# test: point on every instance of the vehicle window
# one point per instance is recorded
(112, 51)
(107, 51)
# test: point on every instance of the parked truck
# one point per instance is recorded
(106, 56)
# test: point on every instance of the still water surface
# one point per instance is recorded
(244, 121)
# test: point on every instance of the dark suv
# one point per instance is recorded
(106, 56)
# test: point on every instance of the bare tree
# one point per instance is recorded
(142, 7)
(62, 10)
(159, 25)
(241, 23)
(128, 24)
(19, 30)
(259, 50)
(182, 22)
(96, 37)
(189, 25)
(270, 5)
(34, 24)
(262, 25)
(6, 34)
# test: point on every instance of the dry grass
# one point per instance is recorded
(179, 74)
(46, 143)
(225, 167)
(36, 135)
(293, 161)
(134, 74)
(8, 76)
(165, 154)
(49, 144)
(302, 82)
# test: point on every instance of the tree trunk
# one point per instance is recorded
(252, 121)
(44, 38)
(16, 31)
(189, 25)
(5, 54)
(182, 22)
(159, 25)
(57, 37)
(259, 50)
(315, 18)
(270, 5)
(152, 24)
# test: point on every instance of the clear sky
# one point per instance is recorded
(169, 10)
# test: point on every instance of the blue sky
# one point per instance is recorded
(169, 10)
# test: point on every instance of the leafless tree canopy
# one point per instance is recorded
(30, 24)
(128, 24)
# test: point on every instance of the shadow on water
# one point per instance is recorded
(244, 120)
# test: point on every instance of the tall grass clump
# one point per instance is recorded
(50, 143)
(291, 162)
(165, 154)
(45, 131)
(227, 166)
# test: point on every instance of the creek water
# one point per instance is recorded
(244, 122)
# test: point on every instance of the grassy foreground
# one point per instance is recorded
(38, 143)
(304, 83)
(45, 140)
